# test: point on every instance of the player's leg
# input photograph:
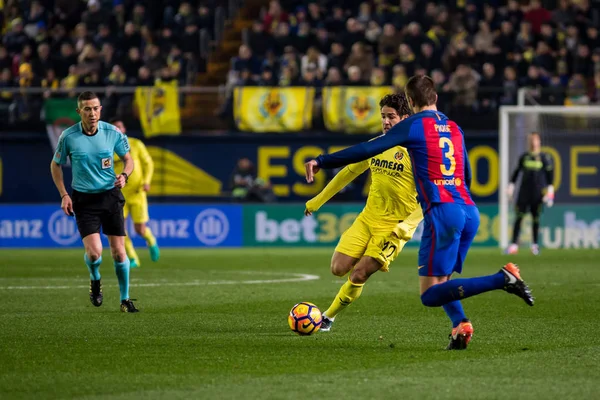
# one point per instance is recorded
(520, 210)
(113, 225)
(139, 214)
(88, 221)
(348, 252)
(536, 212)
(134, 260)
(342, 263)
(441, 264)
(93, 259)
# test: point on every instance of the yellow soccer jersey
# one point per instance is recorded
(143, 167)
(392, 195)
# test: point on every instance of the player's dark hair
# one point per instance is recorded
(86, 96)
(397, 101)
(114, 120)
(421, 90)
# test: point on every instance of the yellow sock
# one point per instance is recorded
(130, 250)
(150, 239)
(348, 293)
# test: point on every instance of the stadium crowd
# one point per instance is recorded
(478, 53)
(74, 43)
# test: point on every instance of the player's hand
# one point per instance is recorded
(311, 168)
(120, 181)
(67, 205)
(510, 191)
(549, 196)
(146, 187)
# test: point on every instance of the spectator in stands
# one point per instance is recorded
(303, 38)
(288, 76)
(50, 82)
(6, 81)
(399, 77)
(355, 77)
(337, 21)
(543, 57)
(378, 77)
(267, 78)
(407, 58)
(334, 77)
(144, 77)
(282, 38)
(592, 37)
(315, 60)
(322, 40)
(246, 60)
(464, 84)
(537, 15)
(259, 40)
(274, 17)
(577, 91)
(483, 40)
(337, 56)
(487, 86)
(247, 187)
(361, 58)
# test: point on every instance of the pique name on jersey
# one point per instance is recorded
(394, 166)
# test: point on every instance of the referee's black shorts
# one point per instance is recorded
(99, 210)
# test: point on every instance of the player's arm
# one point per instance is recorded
(549, 171)
(339, 181)
(397, 136)
(147, 165)
(122, 149)
(60, 158)
(405, 229)
(511, 186)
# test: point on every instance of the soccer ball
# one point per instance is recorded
(305, 318)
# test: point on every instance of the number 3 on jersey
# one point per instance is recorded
(448, 154)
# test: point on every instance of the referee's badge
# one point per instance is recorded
(106, 163)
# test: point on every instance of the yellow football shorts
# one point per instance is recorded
(378, 242)
(136, 205)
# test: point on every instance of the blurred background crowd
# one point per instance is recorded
(478, 52)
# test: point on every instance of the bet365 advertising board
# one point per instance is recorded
(277, 225)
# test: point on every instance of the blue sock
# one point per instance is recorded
(93, 267)
(122, 270)
(458, 289)
(455, 312)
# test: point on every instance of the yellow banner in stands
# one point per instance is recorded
(158, 109)
(271, 109)
(353, 109)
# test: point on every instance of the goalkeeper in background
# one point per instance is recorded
(535, 190)
(136, 202)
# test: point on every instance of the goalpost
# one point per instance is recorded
(560, 127)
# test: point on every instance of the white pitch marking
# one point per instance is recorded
(296, 278)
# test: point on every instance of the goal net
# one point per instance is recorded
(571, 136)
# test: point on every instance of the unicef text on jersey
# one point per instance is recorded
(174, 225)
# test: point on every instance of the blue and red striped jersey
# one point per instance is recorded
(438, 154)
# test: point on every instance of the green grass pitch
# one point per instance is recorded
(213, 326)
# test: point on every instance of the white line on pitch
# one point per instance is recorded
(296, 278)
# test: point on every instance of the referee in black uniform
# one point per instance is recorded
(535, 189)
